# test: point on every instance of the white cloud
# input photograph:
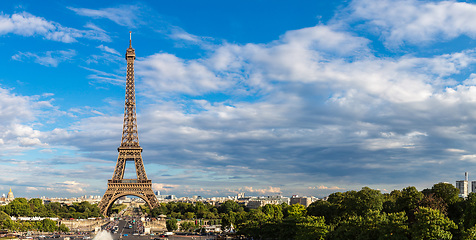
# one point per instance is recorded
(17, 113)
(455, 150)
(260, 190)
(180, 34)
(322, 187)
(108, 49)
(105, 77)
(26, 24)
(416, 22)
(302, 56)
(73, 186)
(389, 140)
(163, 187)
(314, 104)
(49, 58)
(122, 15)
(29, 189)
(167, 73)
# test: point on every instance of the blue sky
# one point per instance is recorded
(261, 97)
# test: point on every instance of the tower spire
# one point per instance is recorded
(130, 137)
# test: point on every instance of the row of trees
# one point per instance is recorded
(45, 225)
(435, 213)
(20, 207)
(180, 210)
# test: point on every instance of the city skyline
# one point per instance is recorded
(261, 97)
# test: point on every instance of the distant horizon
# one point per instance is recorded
(246, 195)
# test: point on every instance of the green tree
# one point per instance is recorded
(189, 215)
(253, 223)
(295, 211)
(470, 211)
(324, 209)
(431, 224)
(434, 202)
(187, 226)
(227, 220)
(311, 227)
(390, 201)
(116, 208)
(171, 224)
(273, 212)
(63, 228)
(394, 226)
(230, 206)
(19, 207)
(447, 192)
(8, 224)
(469, 234)
(408, 200)
(37, 207)
(358, 203)
(159, 210)
(3, 216)
(47, 225)
(372, 226)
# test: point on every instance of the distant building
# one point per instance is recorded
(170, 197)
(10, 196)
(305, 201)
(473, 186)
(256, 202)
(240, 196)
(462, 185)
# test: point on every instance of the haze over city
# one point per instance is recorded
(260, 97)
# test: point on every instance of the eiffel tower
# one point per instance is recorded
(129, 151)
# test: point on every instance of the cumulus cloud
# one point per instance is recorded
(416, 22)
(321, 113)
(26, 24)
(167, 73)
(73, 186)
(317, 105)
(16, 114)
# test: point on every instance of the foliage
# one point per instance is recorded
(180, 210)
(408, 200)
(469, 234)
(116, 208)
(20, 207)
(171, 224)
(45, 225)
(431, 224)
(373, 225)
(446, 191)
(188, 226)
(436, 213)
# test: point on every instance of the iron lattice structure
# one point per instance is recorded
(129, 150)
